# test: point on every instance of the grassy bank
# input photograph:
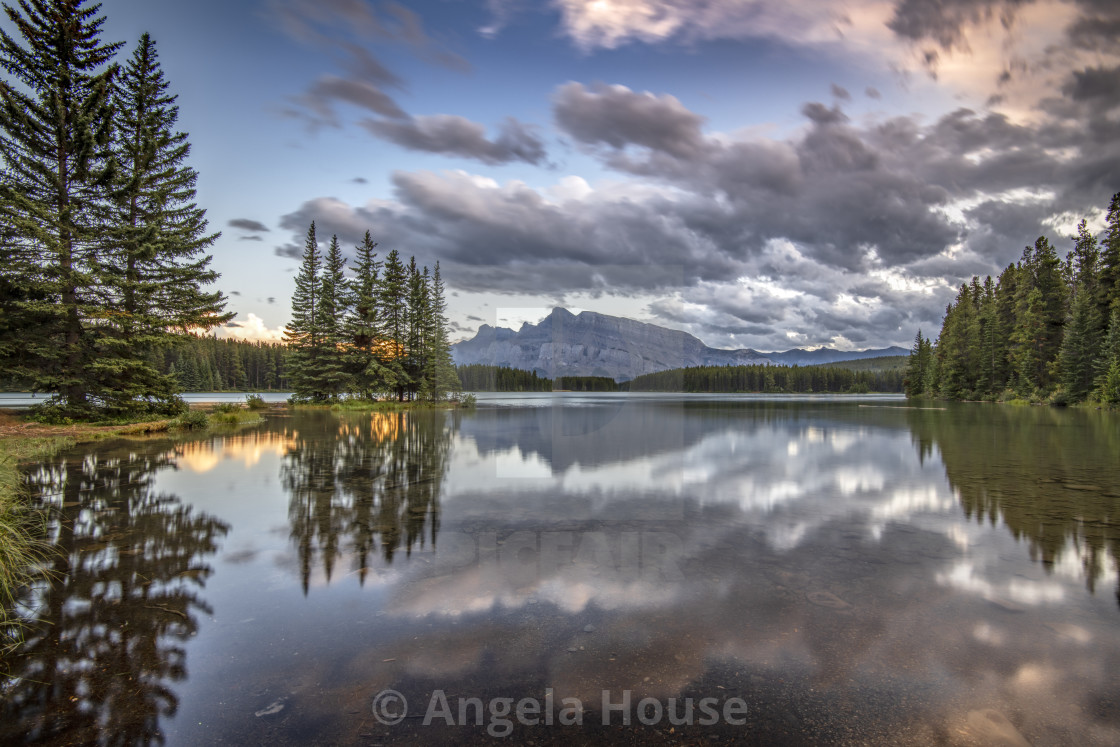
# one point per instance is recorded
(365, 405)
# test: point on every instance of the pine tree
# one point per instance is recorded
(55, 126)
(1108, 364)
(1109, 290)
(155, 262)
(416, 343)
(334, 301)
(364, 333)
(443, 379)
(917, 367)
(303, 333)
(394, 311)
(1083, 331)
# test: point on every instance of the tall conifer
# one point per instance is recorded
(303, 333)
(155, 261)
(55, 127)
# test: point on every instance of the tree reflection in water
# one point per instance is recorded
(115, 607)
(1052, 476)
(357, 480)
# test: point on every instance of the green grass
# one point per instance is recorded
(365, 405)
(234, 417)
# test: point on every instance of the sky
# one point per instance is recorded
(764, 174)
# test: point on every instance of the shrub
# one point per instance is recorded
(192, 420)
(255, 402)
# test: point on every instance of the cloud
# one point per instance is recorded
(454, 135)
(250, 238)
(329, 22)
(247, 224)
(841, 93)
(360, 180)
(1009, 53)
(847, 229)
(328, 90)
(252, 329)
(595, 24)
(617, 116)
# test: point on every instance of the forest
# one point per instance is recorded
(1045, 330)
(770, 379)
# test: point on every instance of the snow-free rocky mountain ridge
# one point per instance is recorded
(591, 344)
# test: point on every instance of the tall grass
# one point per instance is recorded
(21, 545)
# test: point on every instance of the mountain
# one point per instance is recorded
(591, 344)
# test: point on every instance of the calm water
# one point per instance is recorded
(820, 570)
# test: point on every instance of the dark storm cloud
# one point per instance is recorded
(1095, 83)
(453, 135)
(248, 224)
(944, 22)
(617, 116)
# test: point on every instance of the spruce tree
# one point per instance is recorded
(334, 302)
(55, 126)
(155, 263)
(419, 323)
(1108, 364)
(443, 379)
(394, 311)
(303, 333)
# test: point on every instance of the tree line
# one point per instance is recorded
(1046, 329)
(825, 379)
(479, 377)
(382, 331)
(101, 243)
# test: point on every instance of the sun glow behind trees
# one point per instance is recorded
(382, 331)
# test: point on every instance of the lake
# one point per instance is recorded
(585, 569)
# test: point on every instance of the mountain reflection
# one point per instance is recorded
(361, 483)
(1051, 475)
(115, 607)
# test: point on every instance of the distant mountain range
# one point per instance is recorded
(591, 344)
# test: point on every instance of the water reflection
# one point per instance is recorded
(117, 607)
(359, 482)
(854, 573)
(1052, 477)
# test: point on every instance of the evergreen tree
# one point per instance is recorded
(1108, 365)
(394, 313)
(1083, 328)
(303, 333)
(418, 330)
(55, 126)
(1077, 358)
(334, 302)
(155, 262)
(1109, 289)
(442, 376)
(365, 337)
(917, 367)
